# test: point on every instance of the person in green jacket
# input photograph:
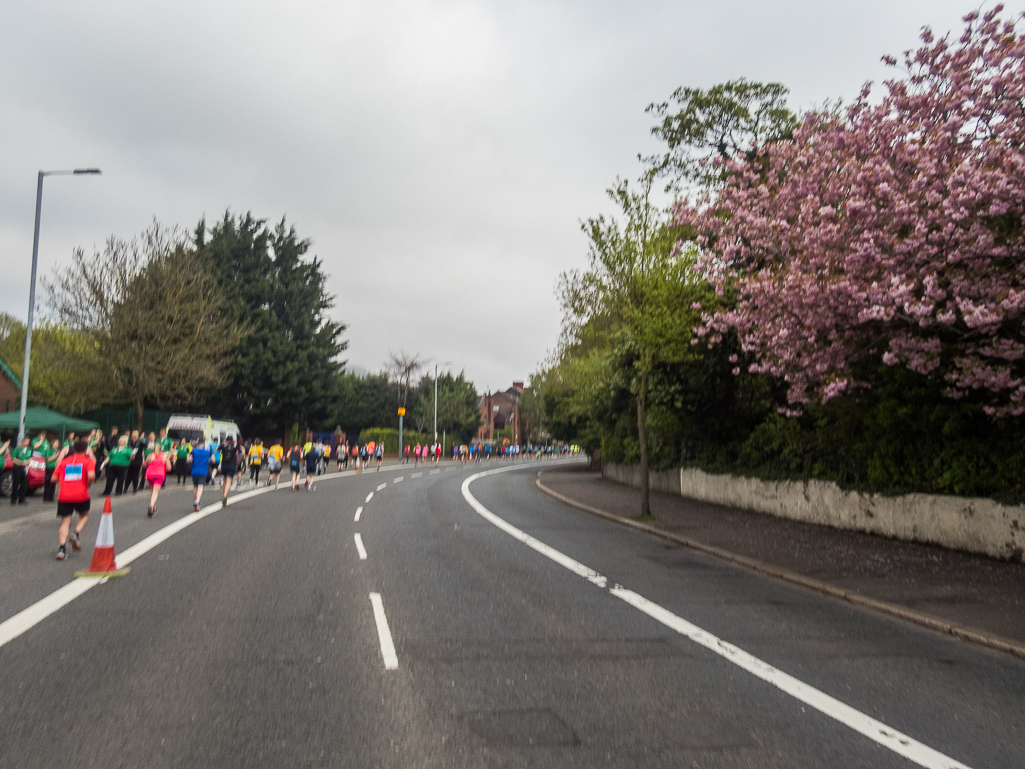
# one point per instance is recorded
(21, 457)
(119, 458)
(50, 452)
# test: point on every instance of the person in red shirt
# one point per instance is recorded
(74, 474)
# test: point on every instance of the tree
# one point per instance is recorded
(458, 406)
(67, 372)
(154, 314)
(402, 370)
(286, 366)
(640, 296)
(731, 121)
(893, 232)
(363, 402)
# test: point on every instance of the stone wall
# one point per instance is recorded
(972, 524)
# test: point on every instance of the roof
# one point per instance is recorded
(42, 418)
(7, 370)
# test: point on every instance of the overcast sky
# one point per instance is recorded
(439, 155)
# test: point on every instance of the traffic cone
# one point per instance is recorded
(103, 564)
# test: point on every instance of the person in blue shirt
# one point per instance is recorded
(200, 459)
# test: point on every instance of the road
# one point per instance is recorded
(474, 622)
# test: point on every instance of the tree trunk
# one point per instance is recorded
(137, 405)
(642, 438)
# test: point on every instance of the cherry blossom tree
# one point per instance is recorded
(890, 231)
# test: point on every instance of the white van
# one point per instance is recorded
(192, 427)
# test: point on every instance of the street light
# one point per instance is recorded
(32, 289)
(446, 363)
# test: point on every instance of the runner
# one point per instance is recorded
(342, 455)
(74, 474)
(295, 460)
(274, 454)
(379, 455)
(255, 461)
(325, 457)
(157, 465)
(437, 453)
(53, 449)
(355, 457)
(416, 456)
(138, 444)
(405, 455)
(200, 459)
(364, 455)
(19, 473)
(229, 466)
(312, 459)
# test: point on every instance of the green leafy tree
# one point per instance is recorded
(639, 300)
(732, 121)
(458, 407)
(286, 369)
(153, 312)
(364, 402)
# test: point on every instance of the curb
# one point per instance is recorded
(925, 620)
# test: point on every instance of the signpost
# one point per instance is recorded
(402, 413)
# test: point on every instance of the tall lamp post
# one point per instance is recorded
(32, 289)
(446, 363)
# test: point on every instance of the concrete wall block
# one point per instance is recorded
(972, 524)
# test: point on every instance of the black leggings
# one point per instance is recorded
(116, 475)
(254, 472)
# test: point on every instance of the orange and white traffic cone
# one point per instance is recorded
(104, 564)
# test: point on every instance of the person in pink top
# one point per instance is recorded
(157, 465)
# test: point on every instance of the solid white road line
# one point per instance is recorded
(875, 730)
(359, 547)
(24, 620)
(382, 487)
(359, 510)
(391, 660)
(369, 497)
(400, 479)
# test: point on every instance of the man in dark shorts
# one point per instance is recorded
(74, 474)
(200, 458)
(312, 458)
(229, 466)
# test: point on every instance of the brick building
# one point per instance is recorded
(498, 411)
(10, 389)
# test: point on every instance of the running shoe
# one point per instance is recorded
(62, 554)
(75, 543)
(224, 501)
(195, 507)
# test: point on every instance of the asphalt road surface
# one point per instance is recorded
(463, 621)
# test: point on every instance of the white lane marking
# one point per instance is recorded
(400, 479)
(27, 618)
(359, 547)
(391, 660)
(875, 730)
(369, 497)
(434, 472)
(382, 487)
(359, 510)
(414, 475)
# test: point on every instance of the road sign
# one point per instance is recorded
(402, 412)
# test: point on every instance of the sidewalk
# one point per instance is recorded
(978, 595)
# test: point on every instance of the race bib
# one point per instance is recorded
(72, 472)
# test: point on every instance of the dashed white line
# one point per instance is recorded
(369, 497)
(875, 730)
(391, 660)
(414, 475)
(435, 472)
(359, 547)
(399, 479)
(359, 511)
(382, 487)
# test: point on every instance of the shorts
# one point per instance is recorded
(228, 472)
(273, 467)
(64, 509)
(311, 467)
(200, 480)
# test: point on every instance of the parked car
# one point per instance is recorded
(36, 475)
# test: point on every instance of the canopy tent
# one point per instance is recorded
(41, 418)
